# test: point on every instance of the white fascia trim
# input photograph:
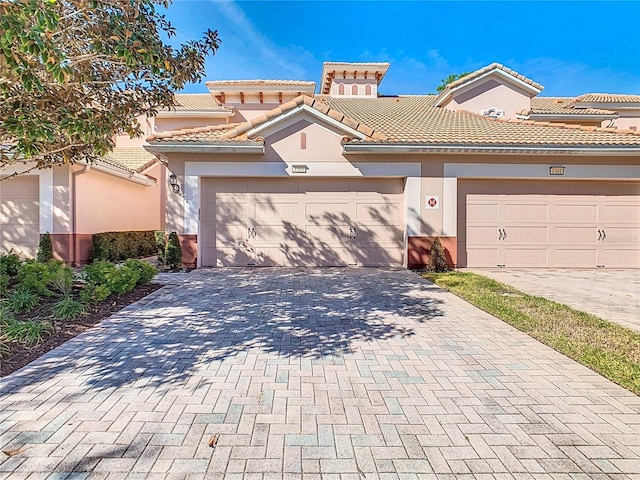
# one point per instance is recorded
(236, 89)
(487, 149)
(547, 117)
(541, 171)
(254, 132)
(120, 173)
(256, 149)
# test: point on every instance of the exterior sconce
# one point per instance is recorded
(173, 182)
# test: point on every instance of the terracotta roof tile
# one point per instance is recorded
(563, 106)
(197, 102)
(135, 159)
(487, 69)
(607, 98)
(415, 120)
(200, 135)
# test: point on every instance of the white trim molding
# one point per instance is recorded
(46, 200)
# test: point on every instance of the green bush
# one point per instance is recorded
(99, 273)
(94, 294)
(37, 277)
(125, 280)
(10, 263)
(146, 271)
(116, 246)
(67, 308)
(173, 252)
(45, 249)
(21, 300)
(437, 257)
(160, 237)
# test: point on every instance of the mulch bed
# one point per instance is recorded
(65, 330)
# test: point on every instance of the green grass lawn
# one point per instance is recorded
(605, 347)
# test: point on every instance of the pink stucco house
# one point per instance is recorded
(269, 172)
(345, 177)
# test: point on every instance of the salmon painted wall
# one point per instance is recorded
(164, 124)
(107, 203)
(491, 94)
(627, 118)
(304, 141)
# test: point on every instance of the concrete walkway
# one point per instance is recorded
(610, 294)
(350, 374)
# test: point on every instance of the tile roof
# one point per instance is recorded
(414, 120)
(563, 106)
(607, 98)
(296, 102)
(199, 135)
(135, 159)
(196, 102)
(482, 71)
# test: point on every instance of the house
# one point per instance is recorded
(279, 175)
(269, 172)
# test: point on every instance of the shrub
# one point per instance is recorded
(22, 300)
(125, 280)
(45, 249)
(94, 294)
(437, 257)
(28, 332)
(38, 277)
(160, 237)
(10, 263)
(99, 273)
(67, 308)
(173, 252)
(146, 271)
(115, 246)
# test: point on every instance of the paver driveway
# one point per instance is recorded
(610, 294)
(337, 373)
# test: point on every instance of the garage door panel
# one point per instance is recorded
(229, 235)
(527, 235)
(622, 235)
(575, 213)
(575, 235)
(620, 257)
(482, 212)
(482, 257)
(627, 213)
(276, 210)
(482, 234)
(526, 257)
(531, 212)
(327, 213)
(574, 257)
(20, 214)
(377, 256)
(328, 233)
(374, 214)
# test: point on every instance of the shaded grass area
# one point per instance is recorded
(605, 347)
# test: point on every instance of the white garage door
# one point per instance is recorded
(549, 224)
(301, 222)
(19, 215)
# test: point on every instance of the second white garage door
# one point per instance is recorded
(20, 215)
(301, 222)
(549, 224)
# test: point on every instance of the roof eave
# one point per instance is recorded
(123, 173)
(551, 117)
(253, 148)
(195, 113)
(361, 148)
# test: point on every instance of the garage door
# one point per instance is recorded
(549, 224)
(19, 215)
(301, 222)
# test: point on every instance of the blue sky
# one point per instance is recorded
(569, 47)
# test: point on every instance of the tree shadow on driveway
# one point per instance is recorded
(220, 313)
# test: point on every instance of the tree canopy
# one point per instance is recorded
(74, 73)
(450, 79)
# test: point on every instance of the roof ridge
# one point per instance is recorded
(312, 103)
(188, 131)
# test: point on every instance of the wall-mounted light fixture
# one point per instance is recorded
(173, 182)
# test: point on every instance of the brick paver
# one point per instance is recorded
(315, 374)
(607, 293)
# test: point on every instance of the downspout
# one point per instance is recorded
(74, 223)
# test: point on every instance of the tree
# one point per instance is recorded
(450, 79)
(74, 73)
